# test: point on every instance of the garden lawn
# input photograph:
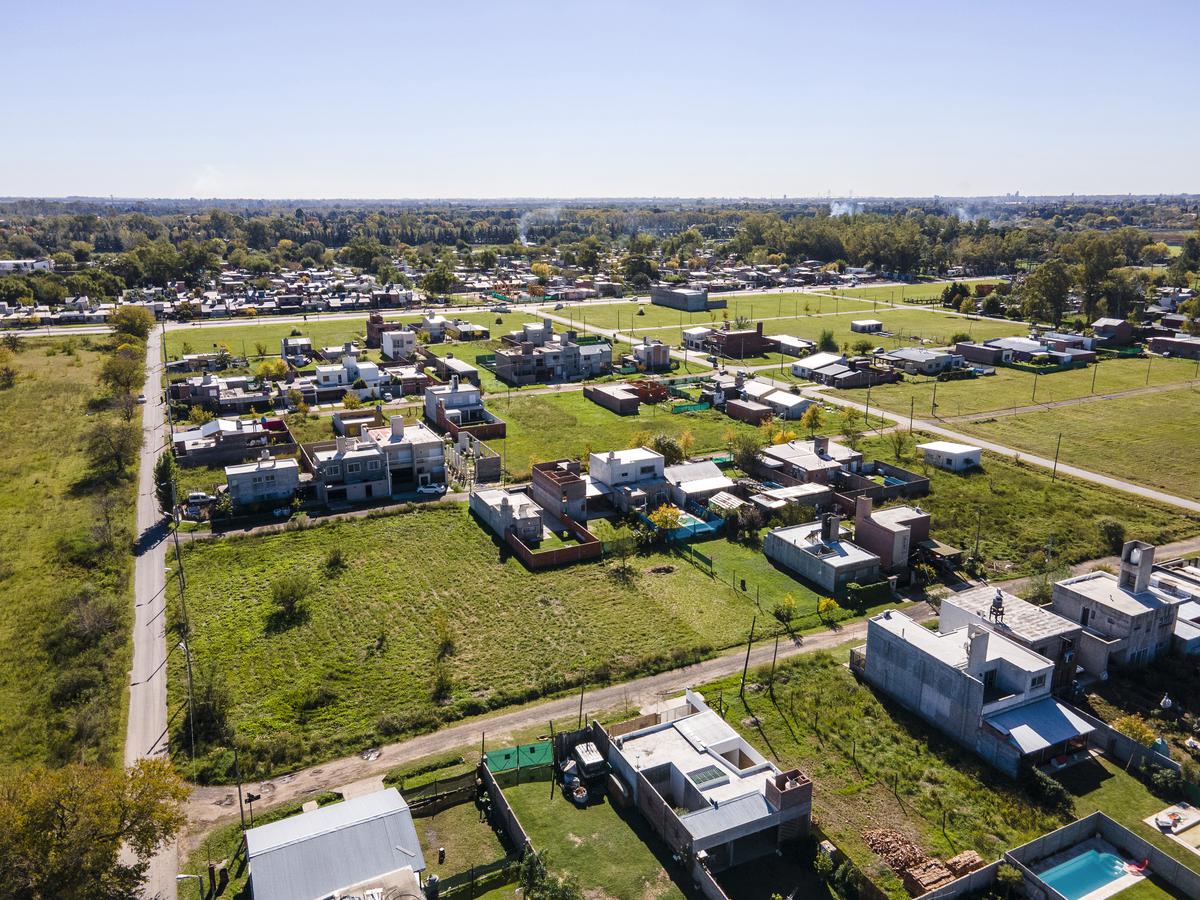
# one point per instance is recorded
(468, 841)
(544, 427)
(898, 293)
(427, 604)
(1018, 509)
(59, 702)
(1152, 439)
(875, 766)
(611, 852)
(1012, 388)
(624, 315)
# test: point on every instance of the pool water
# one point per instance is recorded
(1087, 872)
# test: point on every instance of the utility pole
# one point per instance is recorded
(581, 706)
(1149, 363)
(774, 655)
(237, 773)
(933, 401)
(1033, 398)
(1057, 447)
(746, 664)
(1095, 369)
(912, 402)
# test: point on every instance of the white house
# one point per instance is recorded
(400, 344)
(803, 368)
(267, 479)
(951, 456)
(346, 373)
(866, 326)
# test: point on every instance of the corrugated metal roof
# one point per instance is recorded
(310, 855)
(715, 820)
(1039, 725)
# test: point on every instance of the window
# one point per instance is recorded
(647, 470)
(352, 468)
(1084, 615)
(372, 465)
(1038, 681)
(334, 470)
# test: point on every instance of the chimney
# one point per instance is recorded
(821, 446)
(759, 329)
(831, 528)
(264, 455)
(454, 382)
(862, 510)
(548, 325)
(977, 642)
(1137, 562)
(342, 443)
(645, 340)
(397, 426)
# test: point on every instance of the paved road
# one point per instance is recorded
(211, 805)
(146, 731)
(1162, 553)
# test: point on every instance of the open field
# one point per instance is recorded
(1011, 388)
(898, 293)
(624, 314)
(1018, 511)
(611, 852)
(1153, 439)
(403, 638)
(553, 426)
(64, 648)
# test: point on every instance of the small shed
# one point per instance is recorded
(951, 456)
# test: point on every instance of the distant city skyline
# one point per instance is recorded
(540, 100)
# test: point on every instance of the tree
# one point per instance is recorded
(898, 440)
(1112, 532)
(1045, 292)
(852, 427)
(112, 446)
(665, 517)
(351, 400)
(12, 342)
(123, 372)
(827, 342)
(1135, 727)
(64, 829)
(811, 420)
(8, 377)
(827, 610)
(669, 448)
(271, 369)
(166, 482)
(440, 279)
(745, 446)
(862, 347)
(687, 442)
(260, 349)
(135, 321)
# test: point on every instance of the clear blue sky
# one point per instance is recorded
(568, 99)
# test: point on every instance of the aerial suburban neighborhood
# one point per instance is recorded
(787, 504)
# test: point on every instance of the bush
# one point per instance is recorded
(288, 594)
(1112, 532)
(1165, 782)
(1047, 792)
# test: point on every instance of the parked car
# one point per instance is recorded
(432, 489)
(281, 512)
(141, 398)
(387, 397)
(200, 497)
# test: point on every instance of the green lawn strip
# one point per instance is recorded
(898, 293)
(611, 852)
(1012, 388)
(875, 766)
(468, 842)
(62, 693)
(1152, 439)
(1017, 510)
(625, 314)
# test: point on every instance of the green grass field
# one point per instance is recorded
(365, 659)
(612, 853)
(625, 314)
(62, 672)
(1152, 439)
(1018, 509)
(553, 426)
(896, 293)
(1011, 388)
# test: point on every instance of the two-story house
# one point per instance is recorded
(628, 479)
(347, 470)
(1125, 621)
(984, 690)
(415, 455)
(266, 480)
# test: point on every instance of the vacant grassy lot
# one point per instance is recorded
(1010, 388)
(64, 632)
(1017, 510)
(426, 622)
(611, 852)
(553, 426)
(1153, 439)
(875, 766)
(898, 293)
(628, 315)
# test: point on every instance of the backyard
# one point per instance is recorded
(64, 650)
(1018, 512)
(1152, 439)
(611, 852)
(407, 632)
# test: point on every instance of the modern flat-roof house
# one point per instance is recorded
(629, 479)
(706, 791)
(415, 455)
(347, 470)
(546, 357)
(448, 366)
(981, 688)
(951, 456)
(560, 488)
(651, 356)
(696, 337)
(266, 480)
(892, 534)
(458, 406)
(398, 343)
(1033, 627)
(1125, 621)
(502, 510)
(738, 343)
(296, 349)
(1183, 346)
(235, 394)
(227, 441)
(688, 299)
(866, 326)
(821, 553)
(1113, 332)
(615, 398)
(368, 840)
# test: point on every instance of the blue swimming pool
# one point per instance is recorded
(1087, 872)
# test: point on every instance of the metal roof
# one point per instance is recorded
(1039, 725)
(310, 855)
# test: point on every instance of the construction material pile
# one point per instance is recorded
(920, 873)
